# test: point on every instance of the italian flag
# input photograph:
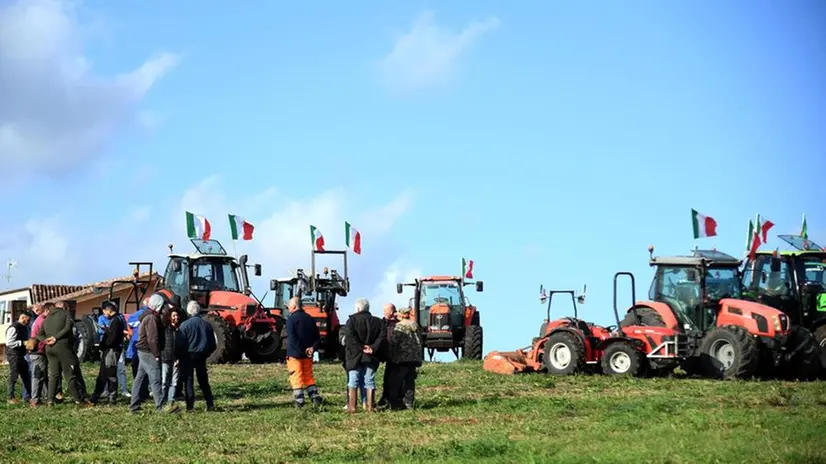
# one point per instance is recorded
(755, 240)
(764, 228)
(467, 268)
(704, 226)
(353, 237)
(197, 227)
(240, 228)
(804, 231)
(317, 238)
(750, 235)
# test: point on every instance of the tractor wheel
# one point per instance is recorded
(820, 339)
(266, 351)
(564, 354)
(86, 340)
(225, 348)
(644, 316)
(805, 365)
(729, 352)
(331, 347)
(621, 358)
(472, 346)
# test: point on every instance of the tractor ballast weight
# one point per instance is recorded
(220, 285)
(447, 319)
(317, 292)
(87, 330)
(794, 281)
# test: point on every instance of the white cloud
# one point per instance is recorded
(55, 111)
(385, 291)
(426, 56)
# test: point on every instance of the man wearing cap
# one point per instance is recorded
(149, 347)
(406, 355)
(111, 345)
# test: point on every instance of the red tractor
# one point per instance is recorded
(318, 293)
(447, 319)
(220, 284)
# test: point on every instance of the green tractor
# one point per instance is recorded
(793, 281)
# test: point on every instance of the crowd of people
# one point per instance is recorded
(168, 349)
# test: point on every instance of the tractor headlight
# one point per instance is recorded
(776, 321)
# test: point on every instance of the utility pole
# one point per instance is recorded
(9, 266)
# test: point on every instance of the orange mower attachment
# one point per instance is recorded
(509, 362)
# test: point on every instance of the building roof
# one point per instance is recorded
(84, 291)
(42, 293)
(14, 290)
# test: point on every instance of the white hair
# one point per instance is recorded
(362, 305)
(193, 308)
(155, 302)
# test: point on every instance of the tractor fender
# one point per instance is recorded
(638, 344)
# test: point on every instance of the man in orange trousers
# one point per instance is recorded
(302, 341)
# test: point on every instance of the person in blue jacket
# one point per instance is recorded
(132, 349)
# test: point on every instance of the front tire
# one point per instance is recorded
(622, 359)
(564, 354)
(225, 348)
(86, 333)
(806, 362)
(265, 351)
(729, 352)
(472, 347)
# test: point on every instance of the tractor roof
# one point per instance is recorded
(440, 279)
(698, 258)
(204, 249)
(794, 253)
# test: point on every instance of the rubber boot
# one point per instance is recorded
(371, 399)
(352, 400)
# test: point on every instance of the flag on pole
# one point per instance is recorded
(467, 268)
(804, 231)
(197, 227)
(317, 238)
(704, 226)
(764, 229)
(755, 240)
(353, 238)
(750, 235)
(240, 228)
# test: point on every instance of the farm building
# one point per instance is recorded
(83, 298)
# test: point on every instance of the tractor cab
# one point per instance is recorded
(318, 292)
(445, 314)
(793, 281)
(693, 286)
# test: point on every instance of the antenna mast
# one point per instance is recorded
(10, 264)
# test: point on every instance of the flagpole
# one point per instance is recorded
(234, 251)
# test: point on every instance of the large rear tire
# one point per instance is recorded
(472, 345)
(564, 354)
(86, 342)
(642, 315)
(806, 362)
(729, 352)
(622, 359)
(225, 349)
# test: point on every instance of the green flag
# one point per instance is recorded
(803, 230)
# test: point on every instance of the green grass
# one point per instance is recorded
(464, 414)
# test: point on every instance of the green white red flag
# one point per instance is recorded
(352, 237)
(240, 228)
(317, 238)
(197, 227)
(755, 240)
(704, 226)
(750, 235)
(804, 231)
(764, 228)
(467, 268)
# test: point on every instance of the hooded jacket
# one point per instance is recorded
(364, 329)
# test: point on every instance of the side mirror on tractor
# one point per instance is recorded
(480, 286)
(273, 284)
(257, 270)
(399, 288)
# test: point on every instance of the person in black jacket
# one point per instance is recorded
(169, 362)
(302, 340)
(366, 335)
(111, 345)
(16, 336)
(58, 334)
(195, 343)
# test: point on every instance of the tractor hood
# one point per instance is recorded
(231, 300)
(775, 318)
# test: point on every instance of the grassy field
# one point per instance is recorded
(464, 414)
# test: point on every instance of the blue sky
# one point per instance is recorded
(549, 142)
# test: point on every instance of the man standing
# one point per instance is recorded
(111, 345)
(131, 352)
(149, 346)
(406, 355)
(302, 340)
(58, 333)
(16, 336)
(389, 323)
(365, 337)
(195, 342)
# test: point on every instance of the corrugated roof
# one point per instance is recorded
(85, 290)
(41, 293)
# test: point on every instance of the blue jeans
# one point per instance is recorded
(169, 379)
(362, 377)
(149, 371)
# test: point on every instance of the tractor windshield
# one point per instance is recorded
(723, 283)
(215, 274)
(814, 269)
(441, 293)
(679, 287)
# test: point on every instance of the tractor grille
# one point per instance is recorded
(439, 322)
